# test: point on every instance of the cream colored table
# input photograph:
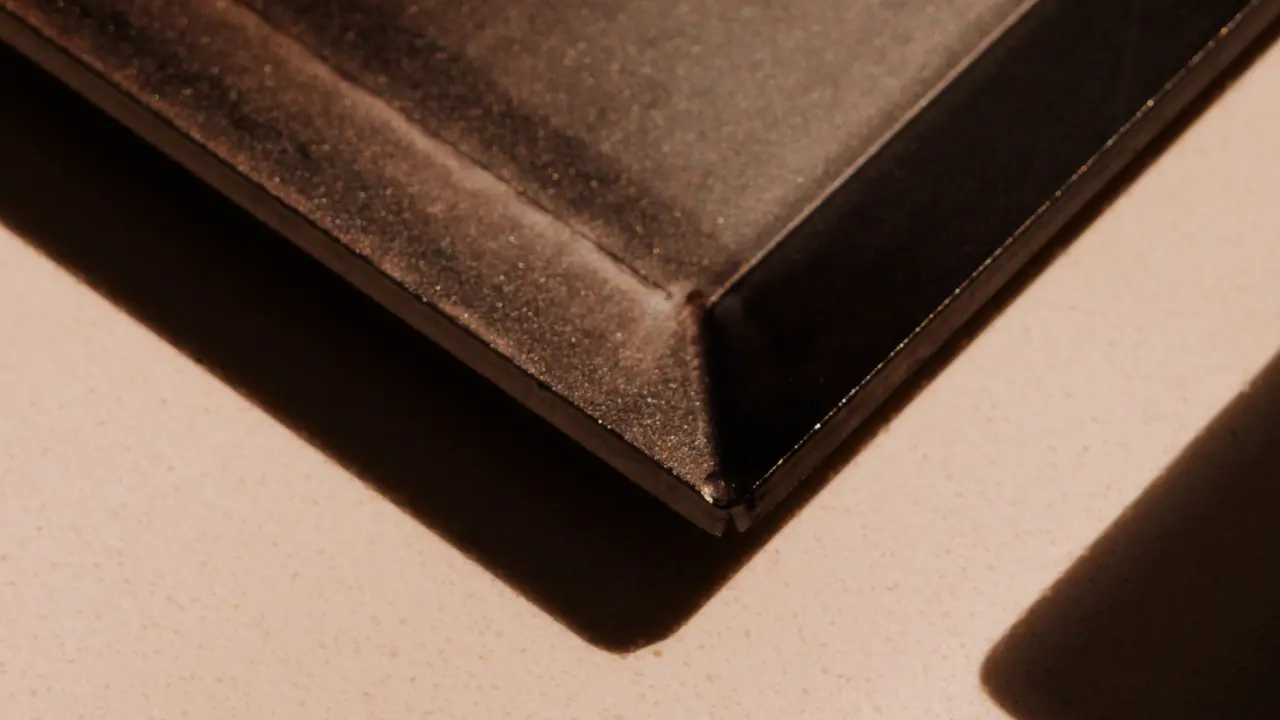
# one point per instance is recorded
(196, 464)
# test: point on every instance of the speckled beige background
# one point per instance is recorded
(170, 548)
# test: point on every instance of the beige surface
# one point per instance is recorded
(169, 548)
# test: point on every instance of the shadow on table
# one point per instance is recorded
(555, 523)
(500, 484)
(1175, 611)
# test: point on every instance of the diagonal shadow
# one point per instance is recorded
(1175, 611)
(503, 486)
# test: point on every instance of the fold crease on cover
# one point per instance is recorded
(625, 215)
